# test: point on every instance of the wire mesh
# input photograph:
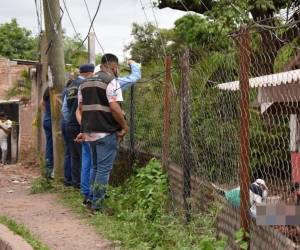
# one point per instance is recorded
(220, 145)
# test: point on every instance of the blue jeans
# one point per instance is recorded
(104, 152)
(49, 146)
(86, 171)
(67, 160)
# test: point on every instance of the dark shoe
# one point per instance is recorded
(76, 186)
(86, 202)
(93, 211)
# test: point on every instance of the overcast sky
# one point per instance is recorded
(113, 23)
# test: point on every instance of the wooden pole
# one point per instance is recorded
(42, 71)
(167, 111)
(244, 52)
(186, 159)
(57, 64)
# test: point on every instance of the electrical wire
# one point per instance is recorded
(98, 7)
(90, 17)
(38, 16)
(160, 36)
(69, 16)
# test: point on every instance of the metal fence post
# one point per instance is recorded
(186, 159)
(132, 126)
(244, 54)
(167, 111)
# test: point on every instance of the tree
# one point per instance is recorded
(17, 42)
(147, 44)
(74, 57)
(231, 14)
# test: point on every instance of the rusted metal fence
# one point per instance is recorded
(219, 120)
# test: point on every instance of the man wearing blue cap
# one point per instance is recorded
(73, 127)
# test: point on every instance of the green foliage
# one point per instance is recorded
(17, 42)
(269, 144)
(198, 31)
(22, 87)
(22, 231)
(72, 57)
(147, 44)
(240, 239)
(146, 192)
(138, 216)
(41, 185)
(284, 55)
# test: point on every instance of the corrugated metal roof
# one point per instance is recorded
(9, 101)
(277, 79)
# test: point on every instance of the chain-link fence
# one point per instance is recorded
(226, 124)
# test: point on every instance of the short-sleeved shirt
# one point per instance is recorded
(113, 94)
(6, 125)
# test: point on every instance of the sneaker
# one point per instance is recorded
(86, 202)
(93, 211)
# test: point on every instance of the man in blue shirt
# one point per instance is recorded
(73, 127)
(67, 139)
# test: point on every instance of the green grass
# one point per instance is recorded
(136, 216)
(41, 185)
(22, 231)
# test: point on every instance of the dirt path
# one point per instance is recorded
(54, 225)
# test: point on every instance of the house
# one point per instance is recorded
(20, 110)
(278, 94)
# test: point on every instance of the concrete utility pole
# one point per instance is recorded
(92, 48)
(57, 65)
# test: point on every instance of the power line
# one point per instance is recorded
(160, 36)
(147, 20)
(90, 26)
(89, 14)
(38, 16)
(143, 8)
(71, 21)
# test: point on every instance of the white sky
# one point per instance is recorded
(113, 23)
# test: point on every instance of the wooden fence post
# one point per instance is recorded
(244, 53)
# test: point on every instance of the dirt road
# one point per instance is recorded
(52, 223)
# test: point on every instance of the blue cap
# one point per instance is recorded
(85, 68)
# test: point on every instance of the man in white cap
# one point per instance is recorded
(258, 194)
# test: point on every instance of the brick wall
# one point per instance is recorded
(27, 131)
(9, 74)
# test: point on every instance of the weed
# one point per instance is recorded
(21, 230)
(41, 185)
(136, 217)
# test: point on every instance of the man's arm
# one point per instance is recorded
(79, 113)
(118, 115)
(64, 109)
(114, 96)
(127, 81)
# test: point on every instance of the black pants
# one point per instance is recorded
(73, 131)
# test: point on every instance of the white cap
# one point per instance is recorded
(97, 69)
(261, 182)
